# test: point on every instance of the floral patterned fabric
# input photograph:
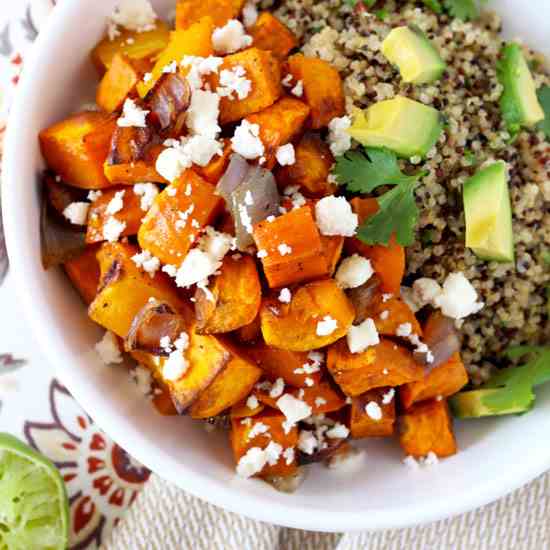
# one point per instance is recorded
(102, 479)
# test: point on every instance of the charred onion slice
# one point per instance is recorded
(168, 102)
(442, 339)
(233, 177)
(129, 144)
(362, 298)
(321, 455)
(153, 322)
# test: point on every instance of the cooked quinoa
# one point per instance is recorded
(517, 297)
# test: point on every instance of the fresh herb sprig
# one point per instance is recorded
(544, 99)
(462, 9)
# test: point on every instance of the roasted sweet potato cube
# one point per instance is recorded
(229, 387)
(390, 313)
(117, 84)
(168, 230)
(251, 333)
(264, 72)
(221, 11)
(362, 424)
(385, 364)
(234, 297)
(195, 40)
(83, 271)
(288, 365)
(241, 442)
(134, 45)
(332, 251)
(387, 261)
(77, 147)
(318, 314)
(311, 170)
(442, 381)
(129, 172)
(131, 214)
(162, 400)
(323, 89)
(427, 427)
(216, 168)
(279, 123)
(242, 410)
(322, 398)
(270, 34)
(292, 248)
(124, 289)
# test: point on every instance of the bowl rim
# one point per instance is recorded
(197, 483)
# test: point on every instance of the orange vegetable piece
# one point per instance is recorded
(332, 251)
(280, 363)
(242, 410)
(77, 147)
(296, 232)
(398, 313)
(427, 427)
(279, 123)
(362, 425)
(385, 364)
(234, 300)
(163, 233)
(323, 89)
(83, 271)
(229, 387)
(294, 326)
(216, 168)
(241, 443)
(313, 164)
(250, 333)
(162, 400)
(131, 214)
(195, 40)
(444, 380)
(263, 70)
(322, 398)
(271, 34)
(117, 84)
(221, 11)
(387, 261)
(136, 171)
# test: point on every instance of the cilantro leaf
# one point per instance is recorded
(363, 172)
(544, 99)
(434, 5)
(464, 9)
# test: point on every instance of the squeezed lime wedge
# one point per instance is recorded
(34, 509)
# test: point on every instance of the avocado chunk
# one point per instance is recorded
(407, 127)
(519, 104)
(489, 214)
(414, 55)
(489, 402)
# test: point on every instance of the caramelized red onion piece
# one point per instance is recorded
(442, 339)
(234, 176)
(129, 144)
(168, 102)
(154, 321)
(60, 195)
(362, 298)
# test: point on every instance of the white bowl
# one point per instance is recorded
(496, 456)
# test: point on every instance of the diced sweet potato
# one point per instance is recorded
(234, 300)
(364, 425)
(322, 398)
(229, 387)
(135, 45)
(323, 89)
(300, 325)
(251, 333)
(167, 232)
(241, 442)
(77, 147)
(221, 11)
(242, 410)
(216, 168)
(195, 40)
(124, 289)
(387, 261)
(136, 171)
(131, 214)
(83, 270)
(280, 363)
(117, 84)
(427, 427)
(293, 246)
(385, 364)
(162, 400)
(270, 34)
(313, 164)
(398, 313)
(444, 380)
(264, 72)
(332, 251)
(279, 124)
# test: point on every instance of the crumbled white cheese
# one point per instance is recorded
(234, 84)
(112, 229)
(175, 366)
(285, 155)
(170, 164)
(293, 409)
(273, 452)
(201, 149)
(362, 336)
(298, 90)
(307, 442)
(142, 379)
(373, 410)
(430, 459)
(339, 138)
(284, 249)
(326, 326)
(252, 462)
(335, 217)
(293, 192)
(404, 330)
(166, 344)
(134, 15)
(288, 455)
(146, 261)
(252, 402)
(199, 67)
(77, 212)
(259, 428)
(285, 296)
(246, 141)
(181, 222)
(170, 270)
(458, 298)
(230, 38)
(262, 254)
(277, 389)
(309, 382)
(386, 297)
(320, 401)
(387, 397)
(108, 349)
(248, 198)
(132, 115)
(203, 113)
(354, 271)
(270, 219)
(250, 14)
(116, 204)
(339, 431)
(411, 463)
(246, 220)
(94, 195)
(147, 192)
(147, 77)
